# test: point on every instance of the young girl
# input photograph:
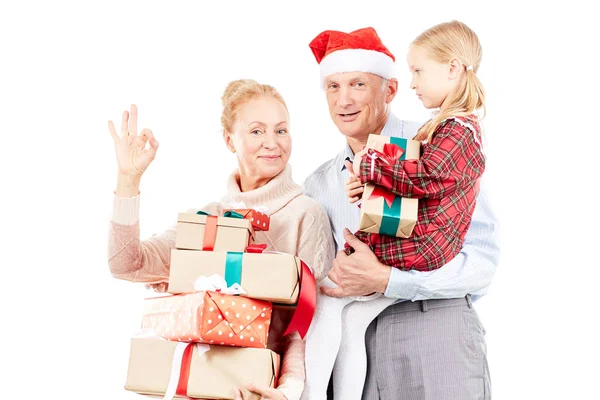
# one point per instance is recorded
(444, 61)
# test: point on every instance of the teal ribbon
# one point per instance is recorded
(233, 214)
(228, 214)
(233, 268)
(391, 215)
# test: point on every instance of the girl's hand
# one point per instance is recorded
(354, 188)
(357, 160)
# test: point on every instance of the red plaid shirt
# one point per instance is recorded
(446, 181)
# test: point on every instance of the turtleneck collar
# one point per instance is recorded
(274, 195)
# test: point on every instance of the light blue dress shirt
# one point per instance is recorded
(470, 272)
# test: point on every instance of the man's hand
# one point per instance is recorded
(358, 274)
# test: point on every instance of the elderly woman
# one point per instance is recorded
(256, 128)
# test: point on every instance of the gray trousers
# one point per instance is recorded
(427, 350)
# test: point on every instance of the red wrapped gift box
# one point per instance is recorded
(209, 317)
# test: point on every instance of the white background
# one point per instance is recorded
(66, 68)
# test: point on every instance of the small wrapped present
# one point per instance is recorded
(260, 221)
(381, 211)
(209, 317)
(183, 370)
(211, 233)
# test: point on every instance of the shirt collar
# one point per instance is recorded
(392, 125)
(346, 154)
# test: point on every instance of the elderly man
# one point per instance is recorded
(429, 344)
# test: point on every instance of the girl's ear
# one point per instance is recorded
(455, 68)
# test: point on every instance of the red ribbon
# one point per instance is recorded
(210, 233)
(184, 375)
(378, 192)
(391, 153)
(256, 248)
(276, 377)
(307, 298)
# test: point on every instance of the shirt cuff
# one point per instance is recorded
(401, 285)
(126, 210)
(292, 388)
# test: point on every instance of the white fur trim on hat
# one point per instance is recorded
(357, 60)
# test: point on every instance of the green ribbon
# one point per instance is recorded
(391, 215)
(233, 214)
(228, 214)
(233, 268)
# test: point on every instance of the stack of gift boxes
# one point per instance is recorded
(381, 211)
(204, 339)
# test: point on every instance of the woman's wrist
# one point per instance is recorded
(128, 186)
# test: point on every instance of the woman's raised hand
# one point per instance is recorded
(134, 152)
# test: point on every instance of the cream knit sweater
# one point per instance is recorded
(299, 226)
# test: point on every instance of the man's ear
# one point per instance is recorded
(391, 90)
(228, 141)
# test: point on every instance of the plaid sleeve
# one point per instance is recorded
(453, 157)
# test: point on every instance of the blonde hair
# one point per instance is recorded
(239, 92)
(442, 43)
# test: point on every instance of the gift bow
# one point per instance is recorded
(233, 214)
(216, 283)
(307, 298)
(228, 214)
(259, 222)
(378, 192)
(391, 153)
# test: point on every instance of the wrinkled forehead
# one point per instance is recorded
(349, 77)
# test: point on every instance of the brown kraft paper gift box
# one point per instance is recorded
(396, 215)
(212, 375)
(264, 276)
(232, 234)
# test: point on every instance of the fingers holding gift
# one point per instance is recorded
(354, 190)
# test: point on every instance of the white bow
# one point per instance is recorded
(216, 283)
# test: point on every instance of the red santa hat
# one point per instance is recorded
(360, 50)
